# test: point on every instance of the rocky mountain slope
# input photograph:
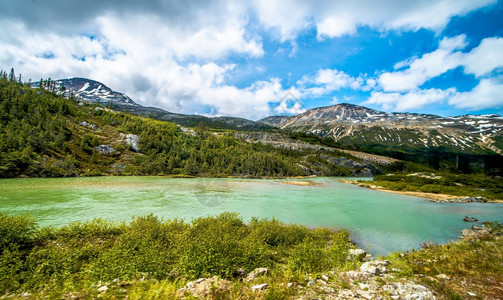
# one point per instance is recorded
(90, 91)
(358, 125)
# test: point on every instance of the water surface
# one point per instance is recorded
(378, 221)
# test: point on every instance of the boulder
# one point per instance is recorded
(203, 287)
(376, 267)
(469, 219)
(92, 126)
(131, 140)
(356, 254)
(256, 273)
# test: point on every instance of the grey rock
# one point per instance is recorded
(104, 149)
(469, 219)
(256, 273)
(375, 267)
(92, 126)
(356, 254)
(131, 140)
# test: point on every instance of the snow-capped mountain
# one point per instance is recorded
(90, 91)
(353, 124)
(87, 90)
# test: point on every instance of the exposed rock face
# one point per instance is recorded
(468, 199)
(358, 169)
(104, 149)
(131, 140)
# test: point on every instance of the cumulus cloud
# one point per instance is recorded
(487, 57)
(175, 54)
(487, 94)
(326, 81)
(428, 66)
(408, 101)
(401, 88)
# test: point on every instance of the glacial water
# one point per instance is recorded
(378, 221)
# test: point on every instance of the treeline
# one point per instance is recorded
(40, 135)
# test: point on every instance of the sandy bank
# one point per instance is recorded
(302, 183)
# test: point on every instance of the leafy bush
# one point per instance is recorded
(81, 254)
(16, 232)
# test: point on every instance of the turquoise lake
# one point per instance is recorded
(378, 221)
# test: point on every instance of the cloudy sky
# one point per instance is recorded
(257, 58)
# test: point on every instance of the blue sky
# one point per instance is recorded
(258, 58)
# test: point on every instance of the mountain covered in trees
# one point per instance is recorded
(90, 91)
(43, 133)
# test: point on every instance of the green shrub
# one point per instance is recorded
(16, 232)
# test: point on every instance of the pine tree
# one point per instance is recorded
(12, 77)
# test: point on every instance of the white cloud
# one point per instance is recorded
(335, 27)
(326, 81)
(175, 55)
(334, 101)
(487, 57)
(487, 94)
(408, 101)
(423, 69)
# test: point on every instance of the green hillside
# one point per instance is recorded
(45, 135)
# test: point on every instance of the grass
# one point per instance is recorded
(443, 183)
(154, 259)
(474, 266)
(149, 252)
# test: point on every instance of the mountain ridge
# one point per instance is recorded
(358, 125)
(91, 91)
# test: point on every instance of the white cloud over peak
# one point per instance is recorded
(175, 55)
(326, 81)
(487, 57)
(487, 94)
(401, 89)
(410, 100)
(422, 69)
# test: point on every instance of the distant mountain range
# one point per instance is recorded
(358, 125)
(351, 125)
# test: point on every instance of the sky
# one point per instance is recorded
(258, 58)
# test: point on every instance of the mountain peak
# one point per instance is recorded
(90, 91)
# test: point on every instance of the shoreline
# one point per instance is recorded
(432, 197)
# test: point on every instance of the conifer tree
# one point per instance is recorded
(12, 77)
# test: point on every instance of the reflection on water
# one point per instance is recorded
(384, 222)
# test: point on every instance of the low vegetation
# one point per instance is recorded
(443, 183)
(150, 254)
(155, 259)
